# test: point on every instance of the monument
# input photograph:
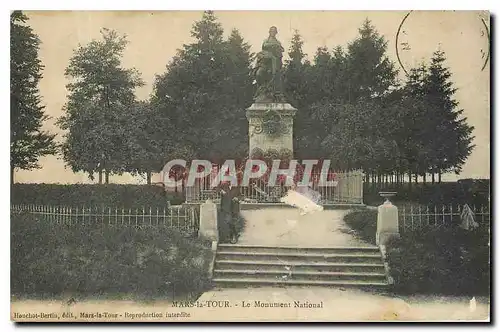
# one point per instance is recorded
(270, 117)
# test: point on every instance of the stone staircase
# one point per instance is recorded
(243, 265)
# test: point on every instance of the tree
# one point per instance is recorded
(149, 145)
(370, 72)
(414, 127)
(454, 143)
(296, 70)
(409, 120)
(299, 92)
(328, 90)
(433, 137)
(351, 112)
(232, 129)
(28, 142)
(322, 73)
(100, 94)
(344, 81)
(205, 91)
(354, 142)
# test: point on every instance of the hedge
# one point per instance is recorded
(84, 261)
(449, 261)
(364, 222)
(444, 260)
(472, 192)
(78, 195)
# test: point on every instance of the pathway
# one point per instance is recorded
(337, 305)
(286, 227)
(340, 304)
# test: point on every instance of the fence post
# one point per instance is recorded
(360, 186)
(83, 215)
(208, 221)
(387, 220)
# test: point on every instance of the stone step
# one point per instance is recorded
(298, 250)
(300, 275)
(303, 266)
(299, 257)
(243, 282)
(240, 265)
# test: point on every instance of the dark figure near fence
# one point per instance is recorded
(229, 207)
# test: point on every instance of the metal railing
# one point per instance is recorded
(184, 219)
(348, 190)
(413, 217)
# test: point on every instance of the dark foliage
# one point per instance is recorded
(364, 222)
(87, 261)
(472, 192)
(441, 261)
(204, 93)
(28, 140)
(101, 94)
(445, 260)
(79, 195)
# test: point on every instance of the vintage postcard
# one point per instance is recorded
(250, 166)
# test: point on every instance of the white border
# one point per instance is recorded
(161, 5)
(252, 5)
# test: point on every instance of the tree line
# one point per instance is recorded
(352, 108)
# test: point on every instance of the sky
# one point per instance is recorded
(154, 38)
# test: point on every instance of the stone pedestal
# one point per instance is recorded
(208, 221)
(270, 128)
(387, 223)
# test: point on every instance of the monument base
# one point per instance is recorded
(270, 129)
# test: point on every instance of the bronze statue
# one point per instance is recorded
(268, 70)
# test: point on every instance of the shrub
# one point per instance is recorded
(79, 195)
(364, 222)
(472, 192)
(441, 260)
(446, 260)
(85, 260)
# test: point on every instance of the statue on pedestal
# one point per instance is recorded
(267, 71)
(270, 117)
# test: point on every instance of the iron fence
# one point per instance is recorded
(184, 219)
(348, 190)
(412, 217)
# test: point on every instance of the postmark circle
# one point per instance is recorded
(402, 45)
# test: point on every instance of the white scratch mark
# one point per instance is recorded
(472, 304)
